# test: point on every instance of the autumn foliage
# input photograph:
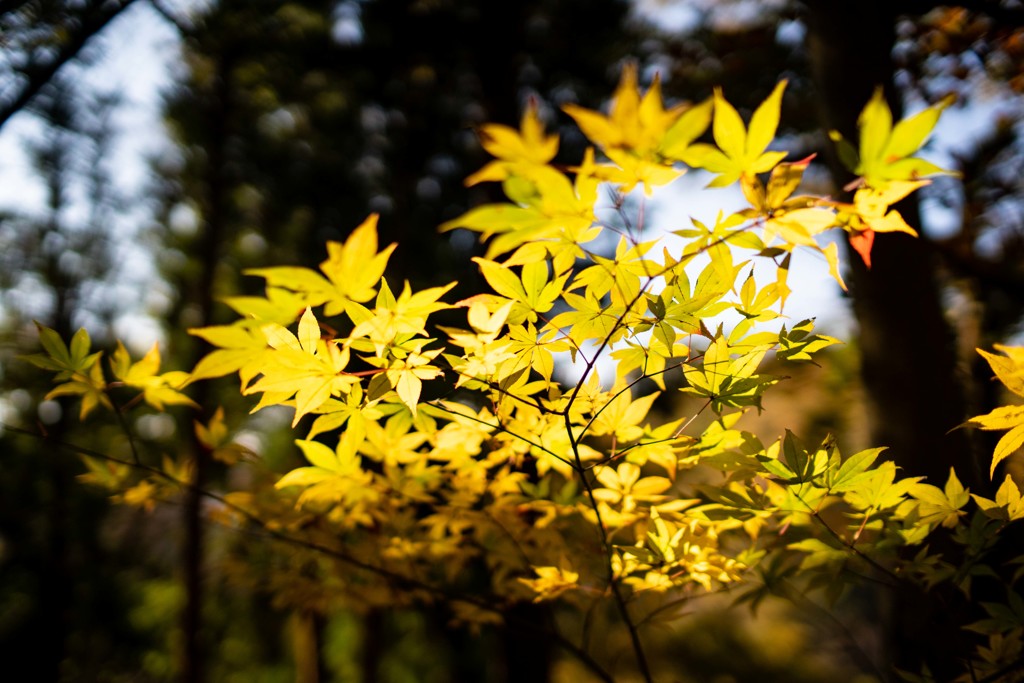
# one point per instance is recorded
(524, 446)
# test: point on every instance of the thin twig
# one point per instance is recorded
(499, 427)
(850, 546)
(123, 423)
(613, 584)
(725, 588)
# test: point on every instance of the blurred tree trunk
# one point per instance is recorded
(904, 338)
(59, 546)
(373, 649)
(56, 598)
(307, 635)
(211, 247)
(908, 353)
(528, 657)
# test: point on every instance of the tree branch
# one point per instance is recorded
(93, 19)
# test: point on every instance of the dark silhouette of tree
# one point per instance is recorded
(65, 614)
(41, 37)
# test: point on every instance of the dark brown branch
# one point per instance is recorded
(183, 26)
(93, 20)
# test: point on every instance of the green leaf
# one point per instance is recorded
(854, 469)
(800, 343)
(819, 553)
(794, 455)
(80, 344)
(53, 344)
(848, 156)
(66, 363)
(775, 467)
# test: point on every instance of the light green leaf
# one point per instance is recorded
(854, 469)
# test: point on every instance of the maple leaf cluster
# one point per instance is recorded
(434, 451)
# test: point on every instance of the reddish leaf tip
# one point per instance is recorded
(806, 161)
(861, 243)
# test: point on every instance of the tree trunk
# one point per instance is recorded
(904, 338)
(908, 354)
(307, 634)
(211, 247)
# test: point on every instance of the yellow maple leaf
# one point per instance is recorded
(551, 582)
(241, 349)
(621, 414)
(886, 152)
(515, 151)
(305, 367)
(157, 389)
(352, 271)
(740, 151)
(406, 375)
(1009, 369)
(406, 315)
(634, 134)
(90, 385)
(870, 213)
(633, 123)
(547, 207)
(355, 267)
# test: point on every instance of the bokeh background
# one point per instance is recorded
(151, 150)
